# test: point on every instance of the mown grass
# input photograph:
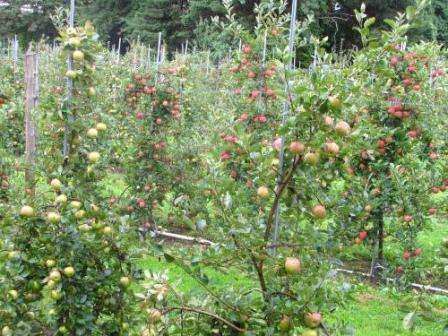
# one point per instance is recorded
(372, 312)
(377, 313)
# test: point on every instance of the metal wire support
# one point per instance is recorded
(286, 107)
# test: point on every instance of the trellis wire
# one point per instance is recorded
(292, 35)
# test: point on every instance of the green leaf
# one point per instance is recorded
(410, 12)
(389, 22)
(169, 258)
(369, 22)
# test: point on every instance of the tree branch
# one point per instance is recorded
(204, 312)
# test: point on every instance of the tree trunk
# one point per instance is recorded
(378, 253)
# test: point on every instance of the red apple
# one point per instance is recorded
(418, 252)
(319, 211)
(292, 265)
(296, 147)
(407, 218)
(362, 235)
(406, 255)
(313, 320)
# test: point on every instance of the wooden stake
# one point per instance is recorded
(31, 102)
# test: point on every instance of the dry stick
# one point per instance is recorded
(66, 145)
(31, 102)
(292, 35)
(204, 312)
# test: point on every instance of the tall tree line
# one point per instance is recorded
(179, 20)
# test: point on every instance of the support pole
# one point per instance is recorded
(148, 58)
(67, 131)
(159, 56)
(119, 50)
(286, 107)
(15, 54)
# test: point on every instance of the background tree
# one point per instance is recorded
(29, 19)
(108, 15)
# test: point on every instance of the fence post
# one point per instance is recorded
(31, 102)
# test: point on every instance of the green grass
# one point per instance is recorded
(187, 283)
(372, 312)
(377, 313)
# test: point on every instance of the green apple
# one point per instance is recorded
(78, 55)
(27, 211)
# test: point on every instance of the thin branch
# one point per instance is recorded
(204, 312)
(258, 267)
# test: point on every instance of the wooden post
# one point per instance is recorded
(31, 102)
